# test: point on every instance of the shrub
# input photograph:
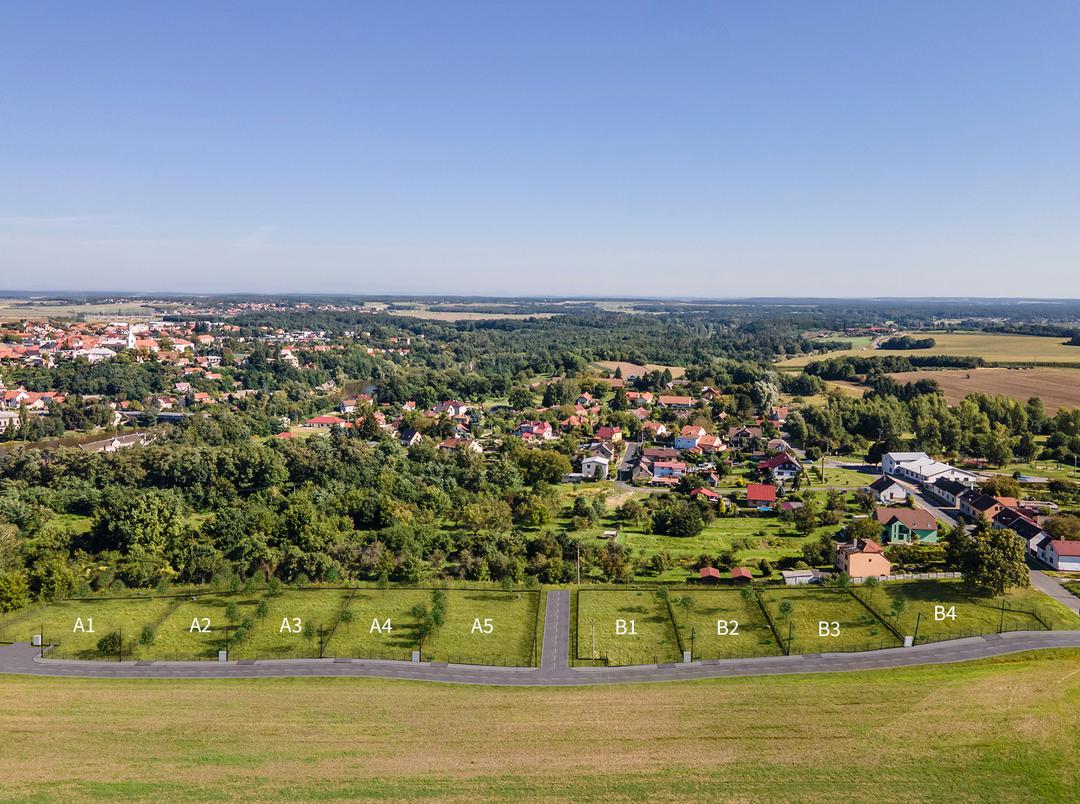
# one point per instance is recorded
(110, 644)
(146, 636)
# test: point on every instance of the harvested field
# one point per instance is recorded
(629, 369)
(1057, 387)
(993, 347)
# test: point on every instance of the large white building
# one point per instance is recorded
(918, 467)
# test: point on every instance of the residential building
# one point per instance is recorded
(595, 467)
(907, 525)
(780, 467)
(689, 436)
(886, 490)
(762, 495)
(863, 558)
(1062, 555)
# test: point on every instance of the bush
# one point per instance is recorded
(146, 636)
(110, 644)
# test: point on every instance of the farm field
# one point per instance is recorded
(598, 612)
(1057, 387)
(443, 315)
(851, 627)
(722, 624)
(638, 369)
(972, 617)
(966, 732)
(993, 347)
(31, 309)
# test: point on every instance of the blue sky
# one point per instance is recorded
(705, 149)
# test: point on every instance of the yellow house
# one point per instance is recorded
(862, 558)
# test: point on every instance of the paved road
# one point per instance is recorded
(21, 658)
(556, 652)
(1050, 585)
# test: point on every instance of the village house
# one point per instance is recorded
(780, 467)
(653, 430)
(613, 434)
(324, 421)
(676, 402)
(740, 437)
(1024, 527)
(761, 495)
(674, 469)
(741, 575)
(1062, 555)
(887, 491)
(689, 436)
(906, 525)
(461, 445)
(535, 431)
(709, 575)
(595, 467)
(862, 559)
(948, 491)
(976, 505)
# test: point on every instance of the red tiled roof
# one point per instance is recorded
(760, 492)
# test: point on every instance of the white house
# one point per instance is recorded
(1060, 554)
(887, 491)
(890, 460)
(595, 467)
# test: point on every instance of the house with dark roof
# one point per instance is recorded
(886, 490)
(906, 525)
(976, 505)
(947, 490)
(1024, 527)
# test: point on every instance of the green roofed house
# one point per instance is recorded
(907, 526)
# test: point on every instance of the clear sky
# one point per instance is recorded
(679, 149)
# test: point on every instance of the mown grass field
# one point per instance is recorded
(722, 624)
(847, 623)
(993, 347)
(972, 616)
(1003, 730)
(599, 612)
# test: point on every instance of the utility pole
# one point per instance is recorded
(577, 547)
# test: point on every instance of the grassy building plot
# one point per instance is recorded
(197, 627)
(480, 627)
(946, 610)
(626, 627)
(722, 624)
(295, 625)
(825, 620)
(76, 626)
(487, 628)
